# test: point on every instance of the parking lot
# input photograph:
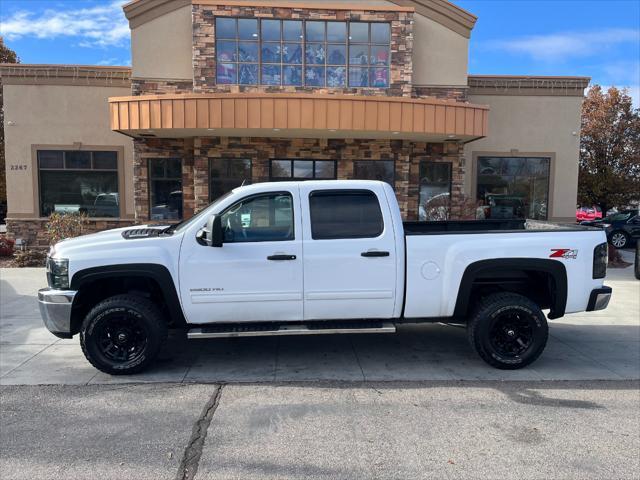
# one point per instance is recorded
(417, 404)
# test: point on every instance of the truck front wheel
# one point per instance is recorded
(508, 330)
(123, 334)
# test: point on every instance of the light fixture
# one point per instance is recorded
(451, 136)
(332, 129)
(276, 129)
(211, 129)
(396, 133)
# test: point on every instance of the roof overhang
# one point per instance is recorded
(297, 116)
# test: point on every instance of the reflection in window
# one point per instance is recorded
(345, 214)
(264, 218)
(165, 188)
(79, 181)
(297, 53)
(225, 174)
(513, 187)
(282, 170)
(382, 170)
(435, 191)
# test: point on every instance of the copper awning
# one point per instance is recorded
(297, 115)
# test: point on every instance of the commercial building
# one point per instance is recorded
(232, 91)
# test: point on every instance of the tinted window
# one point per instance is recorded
(78, 181)
(225, 174)
(263, 218)
(165, 188)
(382, 170)
(345, 214)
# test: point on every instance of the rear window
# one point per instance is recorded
(345, 214)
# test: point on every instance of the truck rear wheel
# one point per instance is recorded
(123, 334)
(508, 331)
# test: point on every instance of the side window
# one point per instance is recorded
(263, 218)
(345, 214)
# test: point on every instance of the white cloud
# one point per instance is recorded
(100, 26)
(561, 46)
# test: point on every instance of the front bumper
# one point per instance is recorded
(55, 308)
(599, 299)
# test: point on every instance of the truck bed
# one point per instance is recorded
(487, 226)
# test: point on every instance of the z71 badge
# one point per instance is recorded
(564, 253)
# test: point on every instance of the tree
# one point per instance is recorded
(609, 149)
(6, 56)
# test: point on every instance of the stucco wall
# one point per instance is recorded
(56, 115)
(440, 55)
(537, 124)
(161, 48)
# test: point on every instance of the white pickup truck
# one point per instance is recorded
(317, 257)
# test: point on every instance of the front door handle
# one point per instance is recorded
(375, 253)
(281, 257)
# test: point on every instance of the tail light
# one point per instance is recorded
(600, 259)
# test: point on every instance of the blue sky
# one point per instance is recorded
(596, 38)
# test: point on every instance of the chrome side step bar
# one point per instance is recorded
(277, 329)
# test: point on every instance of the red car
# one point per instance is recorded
(588, 213)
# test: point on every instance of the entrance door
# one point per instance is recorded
(257, 274)
(349, 254)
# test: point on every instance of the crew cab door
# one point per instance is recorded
(349, 253)
(257, 274)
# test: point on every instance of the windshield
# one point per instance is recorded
(618, 217)
(182, 226)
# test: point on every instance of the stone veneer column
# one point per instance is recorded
(200, 176)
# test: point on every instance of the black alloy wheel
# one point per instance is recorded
(123, 334)
(508, 330)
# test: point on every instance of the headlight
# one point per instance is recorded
(58, 273)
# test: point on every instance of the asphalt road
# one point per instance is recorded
(490, 429)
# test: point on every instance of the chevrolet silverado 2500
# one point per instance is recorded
(318, 257)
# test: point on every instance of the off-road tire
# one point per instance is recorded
(142, 313)
(485, 316)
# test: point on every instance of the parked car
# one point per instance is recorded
(636, 266)
(504, 206)
(106, 205)
(588, 213)
(622, 228)
(299, 258)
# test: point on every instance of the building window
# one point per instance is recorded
(383, 170)
(513, 187)
(435, 191)
(165, 188)
(313, 53)
(283, 170)
(225, 174)
(79, 181)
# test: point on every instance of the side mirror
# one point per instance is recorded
(214, 231)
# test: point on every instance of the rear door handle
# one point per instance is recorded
(375, 253)
(281, 257)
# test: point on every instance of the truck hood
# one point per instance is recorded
(106, 239)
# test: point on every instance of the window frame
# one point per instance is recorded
(427, 162)
(351, 191)
(37, 179)
(293, 178)
(370, 44)
(150, 180)
(249, 159)
(264, 194)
